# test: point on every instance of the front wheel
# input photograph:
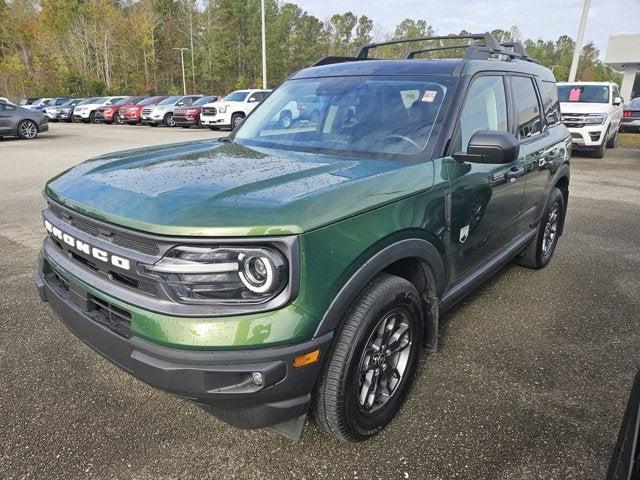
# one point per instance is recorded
(367, 376)
(541, 248)
(612, 141)
(92, 117)
(27, 130)
(169, 121)
(236, 119)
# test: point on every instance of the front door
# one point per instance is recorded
(485, 199)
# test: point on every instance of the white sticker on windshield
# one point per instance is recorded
(429, 96)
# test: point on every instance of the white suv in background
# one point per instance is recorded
(86, 112)
(592, 111)
(232, 109)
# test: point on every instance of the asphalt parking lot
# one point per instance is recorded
(530, 381)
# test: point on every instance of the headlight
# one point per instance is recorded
(222, 108)
(595, 119)
(221, 274)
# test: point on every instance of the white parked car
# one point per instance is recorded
(162, 113)
(86, 112)
(592, 111)
(232, 109)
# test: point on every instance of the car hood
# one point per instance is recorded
(212, 188)
(580, 107)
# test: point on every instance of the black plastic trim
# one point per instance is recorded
(218, 381)
(410, 248)
(483, 272)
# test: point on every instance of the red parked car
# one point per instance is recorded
(109, 113)
(189, 116)
(131, 114)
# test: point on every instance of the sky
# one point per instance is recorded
(546, 19)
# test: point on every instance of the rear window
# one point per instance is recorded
(584, 93)
(236, 96)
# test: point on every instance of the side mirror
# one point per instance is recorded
(490, 146)
(618, 101)
(252, 100)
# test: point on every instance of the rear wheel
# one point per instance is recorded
(367, 376)
(541, 248)
(27, 130)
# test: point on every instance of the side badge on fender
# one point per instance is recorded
(464, 233)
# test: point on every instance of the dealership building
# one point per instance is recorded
(623, 54)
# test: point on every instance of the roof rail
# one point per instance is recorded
(489, 42)
(333, 59)
(518, 51)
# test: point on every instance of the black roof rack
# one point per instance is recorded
(489, 42)
(490, 47)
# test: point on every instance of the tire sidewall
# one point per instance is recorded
(364, 426)
(168, 120)
(22, 137)
(555, 198)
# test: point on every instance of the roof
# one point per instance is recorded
(422, 67)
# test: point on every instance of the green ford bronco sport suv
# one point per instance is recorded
(283, 271)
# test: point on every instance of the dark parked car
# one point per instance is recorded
(189, 116)
(631, 116)
(64, 112)
(21, 122)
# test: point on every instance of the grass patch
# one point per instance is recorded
(629, 140)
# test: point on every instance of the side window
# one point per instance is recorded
(527, 107)
(9, 107)
(550, 103)
(485, 108)
(616, 92)
(254, 97)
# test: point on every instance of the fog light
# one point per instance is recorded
(256, 378)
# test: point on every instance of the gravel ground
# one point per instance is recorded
(530, 381)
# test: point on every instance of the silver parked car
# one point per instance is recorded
(21, 122)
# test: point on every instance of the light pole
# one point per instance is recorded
(184, 80)
(579, 39)
(264, 52)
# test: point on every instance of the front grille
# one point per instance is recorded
(100, 311)
(209, 111)
(135, 244)
(146, 111)
(114, 318)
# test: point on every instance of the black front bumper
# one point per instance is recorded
(219, 381)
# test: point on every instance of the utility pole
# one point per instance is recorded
(264, 52)
(579, 39)
(184, 79)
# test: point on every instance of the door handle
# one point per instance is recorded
(513, 174)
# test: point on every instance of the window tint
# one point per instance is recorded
(550, 103)
(527, 107)
(485, 108)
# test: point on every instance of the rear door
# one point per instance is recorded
(5, 119)
(485, 204)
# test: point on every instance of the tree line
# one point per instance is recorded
(98, 47)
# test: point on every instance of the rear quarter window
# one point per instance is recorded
(550, 103)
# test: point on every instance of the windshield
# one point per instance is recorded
(238, 96)
(148, 101)
(202, 101)
(114, 101)
(584, 93)
(121, 102)
(136, 101)
(169, 101)
(388, 116)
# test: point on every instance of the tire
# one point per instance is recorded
(612, 141)
(338, 397)
(152, 124)
(236, 119)
(92, 117)
(186, 126)
(599, 151)
(285, 120)
(27, 130)
(213, 128)
(539, 251)
(168, 120)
